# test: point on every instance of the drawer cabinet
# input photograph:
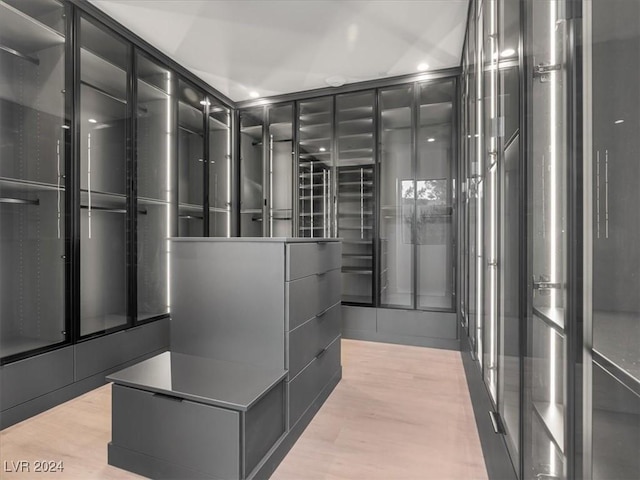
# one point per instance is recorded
(167, 422)
(311, 295)
(304, 259)
(308, 384)
(308, 339)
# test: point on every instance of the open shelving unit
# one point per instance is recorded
(355, 170)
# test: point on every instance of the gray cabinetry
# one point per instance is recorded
(255, 350)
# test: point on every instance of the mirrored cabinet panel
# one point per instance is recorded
(155, 179)
(34, 129)
(315, 167)
(219, 170)
(104, 174)
(191, 158)
(252, 195)
(355, 173)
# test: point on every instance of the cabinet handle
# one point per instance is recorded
(321, 274)
(322, 313)
(321, 353)
(168, 397)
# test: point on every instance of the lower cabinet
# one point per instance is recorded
(309, 383)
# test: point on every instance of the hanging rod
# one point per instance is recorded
(111, 210)
(18, 54)
(19, 201)
(191, 217)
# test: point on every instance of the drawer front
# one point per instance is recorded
(182, 432)
(304, 259)
(304, 389)
(309, 338)
(308, 296)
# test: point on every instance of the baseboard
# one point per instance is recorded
(371, 336)
(494, 448)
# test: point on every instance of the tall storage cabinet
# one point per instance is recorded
(34, 159)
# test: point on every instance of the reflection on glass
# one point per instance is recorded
(155, 173)
(434, 197)
(219, 171)
(397, 198)
(280, 170)
(356, 199)
(251, 172)
(615, 308)
(546, 354)
(315, 167)
(104, 61)
(32, 186)
(191, 105)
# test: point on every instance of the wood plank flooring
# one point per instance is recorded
(399, 413)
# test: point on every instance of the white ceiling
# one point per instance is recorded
(282, 46)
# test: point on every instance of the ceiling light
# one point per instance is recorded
(618, 122)
(508, 52)
(205, 102)
(254, 94)
(322, 149)
(335, 81)
(431, 140)
(422, 67)
(93, 120)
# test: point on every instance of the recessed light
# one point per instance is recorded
(254, 94)
(422, 67)
(335, 81)
(618, 122)
(431, 140)
(508, 52)
(322, 149)
(93, 120)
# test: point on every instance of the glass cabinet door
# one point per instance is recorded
(315, 168)
(33, 165)
(397, 197)
(155, 174)
(219, 171)
(191, 168)
(280, 170)
(355, 170)
(104, 173)
(252, 172)
(545, 388)
(435, 197)
(613, 261)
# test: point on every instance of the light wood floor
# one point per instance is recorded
(398, 413)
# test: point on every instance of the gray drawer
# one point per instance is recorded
(181, 432)
(309, 338)
(304, 388)
(308, 296)
(305, 259)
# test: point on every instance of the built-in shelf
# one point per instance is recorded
(363, 227)
(358, 270)
(24, 34)
(358, 256)
(551, 416)
(367, 183)
(15, 184)
(355, 195)
(554, 317)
